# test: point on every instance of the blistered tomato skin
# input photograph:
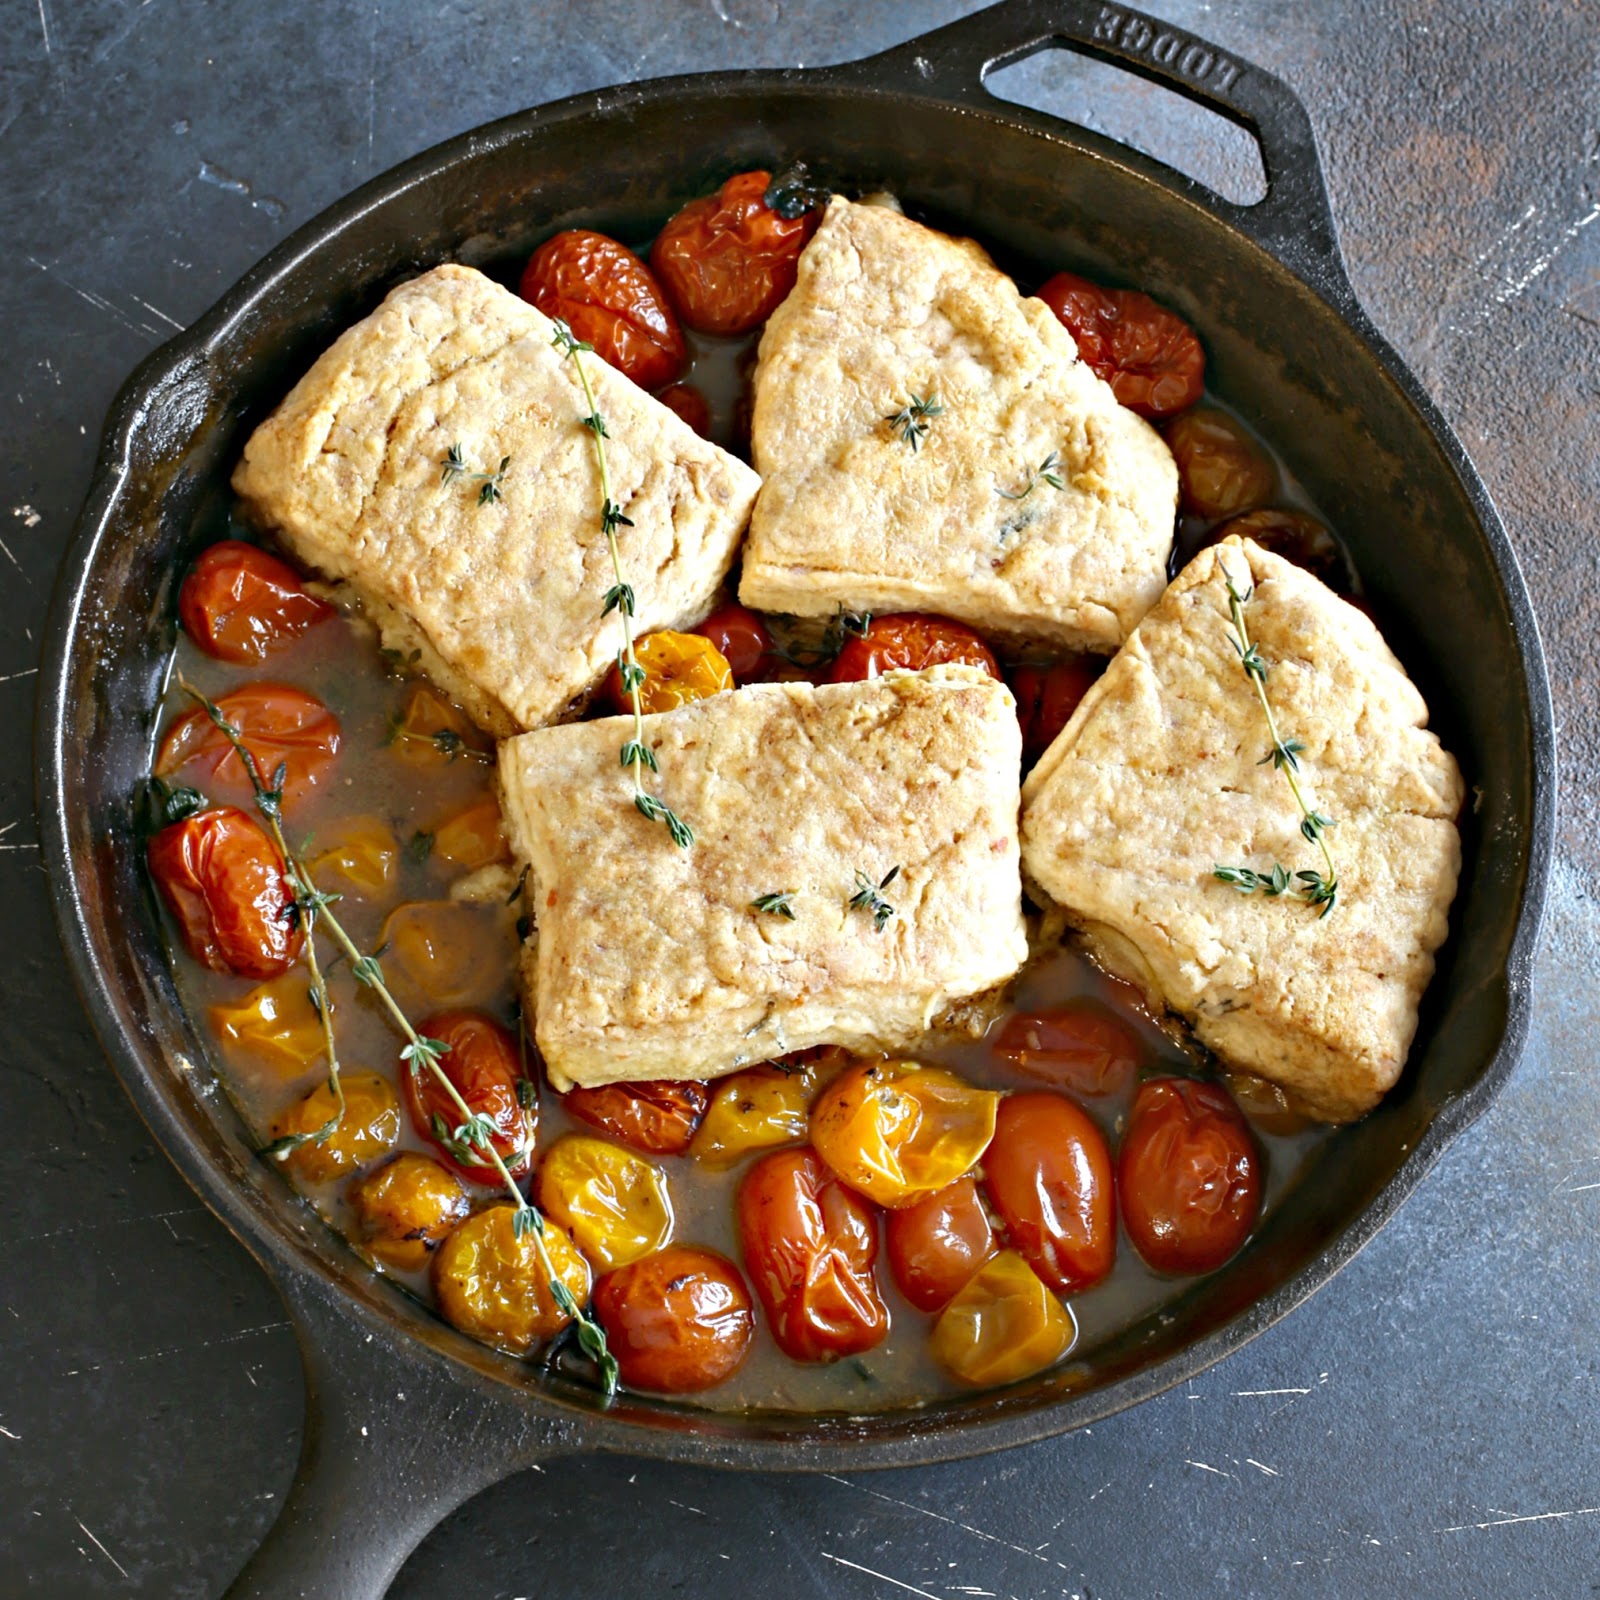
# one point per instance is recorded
(482, 1061)
(430, 731)
(222, 879)
(1003, 1325)
(1047, 697)
(741, 639)
(937, 1245)
(367, 1129)
(274, 1026)
(1148, 355)
(276, 722)
(359, 851)
(657, 1116)
(678, 1322)
(1189, 1175)
(1076, 1047)
(678, 668)
(728, 261)
(615, 1203)
(404, 1208)
(609, 299)
(1222, 471)
(909, 641)
(444, 953)
(810, 1246)
(1048, 1177)
(239, 604)
(689, 405)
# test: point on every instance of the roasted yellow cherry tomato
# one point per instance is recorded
(472, 838)
(274, 1026)
(1003, 1326)
(614, 1203)
(897, 1131)
(368, 1128)
(490, 1284)
(405, 1207)
(762, 1108)
(446, 953)
(431, 731)
(362, 852)
(678, 668)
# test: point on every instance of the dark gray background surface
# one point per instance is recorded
(1427, 1425)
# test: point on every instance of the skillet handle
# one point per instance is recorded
(1293, 222)
(389, 1451)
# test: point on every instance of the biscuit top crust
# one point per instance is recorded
(1157, 780)
(651, 961)
(885, 309)
(503, 600)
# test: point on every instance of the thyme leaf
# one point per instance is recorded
(1048, 471)
(869, 897)
(776, 905)
(455, 466)
(910, 423)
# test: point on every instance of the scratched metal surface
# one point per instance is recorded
(1427, 1423)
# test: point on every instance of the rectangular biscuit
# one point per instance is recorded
(1159, 778)
(850, 514)
(503, 600)
(651, 961)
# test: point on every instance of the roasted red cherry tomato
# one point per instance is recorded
(1077, 1047)
(910, 641)
(1221, 469)
(729, 260)
(222, 879)
(657, 1116)
(1148, 355)
(606, 295)
(480, 1059)
(936, 1245)
(1047, 697)
(810, 1245)
(678, 1322)
(690, 405)
(276, 723)
(741, 639)
(239, 603)
(1293, 535)
(1189, 1175)
(1048, 1176)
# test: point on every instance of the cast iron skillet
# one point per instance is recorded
(405, 1417)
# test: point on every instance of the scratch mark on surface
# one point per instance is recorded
(10, 1435)
(1507, 1522)
(1261, 1466)
(14, 562)
(27, 672)
(372, 83)
(95, 300)
(724, 16)
(182, 1349)
(172, 322)
(1512, 288)
(1206, 1467)
(119, 1222)
(44, 28)
(882, 1577)
(1251, 1394)
(682, 1507)
(103, 1551)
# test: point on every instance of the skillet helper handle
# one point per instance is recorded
(389, 1451)
(1293, 222)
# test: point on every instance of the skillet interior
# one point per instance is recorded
(1042, 200)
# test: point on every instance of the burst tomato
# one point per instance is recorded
(909, 641)
(615, 1203)
(657, 1116)
(359, 850)
(678, 1322)
(1222, 471)
(759, 1108)
(897, 1131)
(1295, 536)
(688, 404)
(1189, 1175)
(1077, 1047)
(678, 668)
(274, 1026)
(239, 604)
(937, 1244)
(741, 639)
(405, 1207)
(480, 1059)
(728, 261)
(1047, 697)
(367, 1129)
(1048, 1176)
(470, 839)
(1003, 1325)
(430, 731)
(446, 952)
(1148, 355)
(491, 1284)
(810, 1245)
(276, 723)
(609, 299)
(222, 879)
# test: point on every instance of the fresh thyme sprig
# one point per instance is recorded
(422, 1054)
(455, 466)
(910, 422)
(1048, 471)
(776, 905)
(446, 741)
(1315, 888)
(842, 627)
(869, 897)
(636, 754)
